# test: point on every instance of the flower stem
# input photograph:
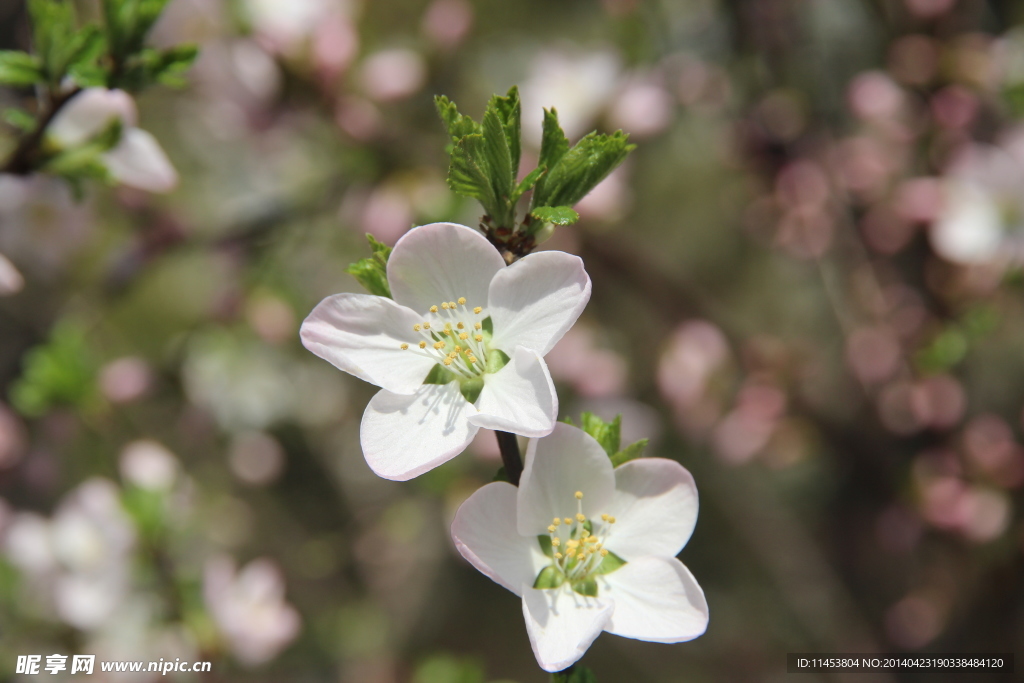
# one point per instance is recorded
(510, 457)
(23, 160)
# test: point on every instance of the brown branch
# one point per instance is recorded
(25, 158)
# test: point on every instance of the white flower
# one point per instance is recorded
(613, 536)
(137, 159)
(477, 327)
(249, 608)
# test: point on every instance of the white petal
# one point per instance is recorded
(656, 599)
(655, 508)
(970, 227)
(485, 533)
(562, 624)
(557, 466)
(11, 281)
(89, 113)
(404, 436)
(442, 262)
(139, 161)
(520, 398)
(362, 335)
(536, 300)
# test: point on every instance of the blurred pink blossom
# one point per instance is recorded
(13, 438)
(929, 8)
(125, 379)
(392, 74)
(592, 371)
(249, 608)
(149, 465)
(873, 353)
(742, 433)
(642, 107)
(447, 22)
(11, 281)
(256, 458)
(914, 621)
(696, 351)
(578, 85)
(874, 96)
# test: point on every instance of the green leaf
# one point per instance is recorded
(457, 125)
(544, 541)
(445, 668)
(53, 26)
(20, 119)
(499, 165)
(580, 169)
(509, 110)
(471, 388)
(527, 183)
(553, 146)
(467, 174)
(372, 271)
(549, 577)
(501, 475)
(576, 674)
(610, 563)
(630, 452)
(439, 375)
(84, 160)
(20, 69)
(608, 434)
(559, 215)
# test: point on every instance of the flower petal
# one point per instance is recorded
(442, 262)
(89, 113)
(564, 462)
(485, 533)
(655, 508)
(139, 161)
(404, 436)
(362, 335)
(536, 300)
(520, 398)
(656, 599)
(562, 624)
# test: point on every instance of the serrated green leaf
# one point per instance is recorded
(580, 169)
(608, 434)
(527, 183)
(499, 165)
(20, 69)
(553, 146)
(509, 110)
(53, 27)
(467, 174)
(630, 452)
(549, 577)
(559, 215)
(457, 125)
(372, 271)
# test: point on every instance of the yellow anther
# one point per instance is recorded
(460, 326)
(478, 337)
(463, 335)
(444, 305)
(472, 359)
(567, 521)
(558, 556)
(604, 552)
(552, 528)
(477, 326)
(611, 520)
(570, 553)
(580, 517)
(477, 310)
(426, 326)
(604, 517)
(439, 345)
(405, 346)
(451, 304)
(433, 309)
(462, 301)
(557, 521)
(448, 327)
(416, 327)
(458, 349)
(447, 361)
(423, 344)
(556, 541)
(579, 495)
(572, 544)
(590, 539)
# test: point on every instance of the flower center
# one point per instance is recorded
(456, 336)
(577, 553)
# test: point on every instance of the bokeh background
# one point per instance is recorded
(808, 289)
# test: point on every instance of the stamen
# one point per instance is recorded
(433, 309)
(580, 517)
(404, 346)
(477, 326)
(444, 305)
(558, 520)
(579, 495)
(477, 310)
(462, 301)
(416, 327)
(423, 344)
(460, 326)
(426, 326)
(447, 361)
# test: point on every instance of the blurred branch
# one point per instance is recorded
(24, 160)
